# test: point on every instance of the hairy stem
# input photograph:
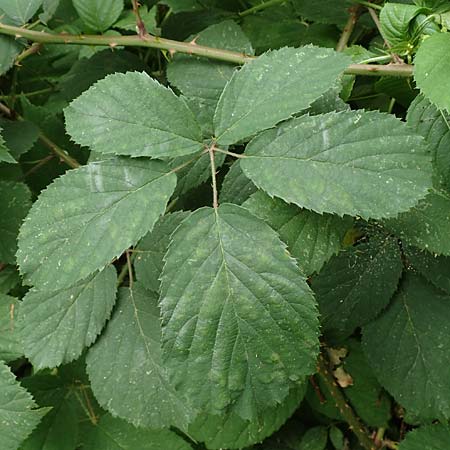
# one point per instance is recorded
(261, 7)
(348, 29)
(353, 421)
(182, 47)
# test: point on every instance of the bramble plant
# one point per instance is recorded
(224, 224)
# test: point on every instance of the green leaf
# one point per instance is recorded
(353, 162)
(152, 248)
(434, 126)
(9, 279)
(236, 187)
(125, 368)
(337, 438)
(395, 19)
(57, 325)
(231, 431)
(325, 11)
(15, 201)
(4, 152)
(88, 217)
(49, 8)
(20, 11)
(314, 439)
(239, 321)
(202, 80)
(116, 434)
(432, 69)
(10, 345)
(343, 285)
(9, 49)
(426, 225)
(436, 437)
(18, 416)
(99, 15)
(111, 117)
(258, 97)
(311, 238)
(19, 136)
(407, 347)
(127, 21)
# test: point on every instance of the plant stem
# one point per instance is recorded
(140, 25)
(261, 7)
(29, 94)
(348, 29)
(403, 70)
(353, 421)
(213, 175)
(368, 4)
(33, 49)
(226, 152)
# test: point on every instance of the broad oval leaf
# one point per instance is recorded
(353, 162)
(132, 114)
(432, 69)
(127, 375)
(239, 321)
(18, 416)
(231, 431)
(115, 434)
(99, 15)
(56, 326)
(272, 88)
(89, 216)
(436, 437)
(407, 347)
(312, 238)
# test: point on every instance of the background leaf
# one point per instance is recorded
(82, 220)
(434, 436)
(20, 11)
(10, 345)
(99, 15)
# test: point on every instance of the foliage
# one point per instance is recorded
(219, 229)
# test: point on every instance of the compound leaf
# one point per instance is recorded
(432, 69)
(132, 114)
(353, 162)
(311, 238)
(125, 368)
(89, 216)
(99, 15)
(18, 416)
(407, 347)
(239, 321)
(257, 97)
(57, 325)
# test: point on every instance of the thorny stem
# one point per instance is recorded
(213, 175)
(261, 7)
(33, 49)
(181, 47)
(353, 421)
(140, 25)
(348, 29)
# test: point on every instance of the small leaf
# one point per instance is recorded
(9, 49)
(432, 69)
(57, 325)
(10, 345)
(18, 416)
(436, 437)
(407, 347)
(19, 136)
(231, 431)
(152, 248)
(88, 217)
(98, 15)
(311, 238)
(15, 201)
(125, 368)
(258, 97)
(116, 434)
(314, 439)
(343, 285)
(353, 162)
(239, 321)
(4, 152)
(20, 11)
(132, 114)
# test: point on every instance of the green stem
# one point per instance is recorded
(353, 421)
(401, 70)
(261, 7)
(368, 4)
(348, 29)
(29, 94)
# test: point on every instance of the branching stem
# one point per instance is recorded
(403, 70)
